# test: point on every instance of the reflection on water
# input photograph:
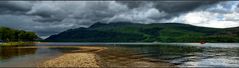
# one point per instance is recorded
(25, 57)
(178, 54)
(9, 52)
(123, 55)
(217, 57)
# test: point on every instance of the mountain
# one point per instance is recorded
(13, 35)
(156, 32)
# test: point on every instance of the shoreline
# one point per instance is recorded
(88, 56)
(9, 44)
(72, 60)
(84, 57)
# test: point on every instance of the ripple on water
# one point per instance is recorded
(215, 62)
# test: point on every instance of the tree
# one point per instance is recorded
(7, 34)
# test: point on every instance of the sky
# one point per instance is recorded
(51, 17)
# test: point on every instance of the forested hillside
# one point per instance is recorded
(12, 35)
(158, 32)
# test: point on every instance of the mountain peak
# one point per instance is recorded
(97, 24)
(100, 24)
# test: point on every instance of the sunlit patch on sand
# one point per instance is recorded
(72, 60)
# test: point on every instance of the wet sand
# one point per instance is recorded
(122, 57)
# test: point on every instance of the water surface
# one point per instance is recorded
(122, 54)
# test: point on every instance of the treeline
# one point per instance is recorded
(12, 35)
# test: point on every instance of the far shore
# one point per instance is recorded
(16, 43)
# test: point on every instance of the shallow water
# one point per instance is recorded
(125, 54)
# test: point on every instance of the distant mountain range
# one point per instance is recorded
(156, 32)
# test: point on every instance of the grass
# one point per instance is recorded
(16, 43)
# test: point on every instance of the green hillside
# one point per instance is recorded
(160, 32)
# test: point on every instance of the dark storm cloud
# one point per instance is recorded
(170, 6)
(180, 6)
(52, 11)
(58, 11)
(94, 11)
(47, 19)
(14, 7)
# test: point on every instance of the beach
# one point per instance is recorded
(72, 60)
(88, 56)
(84, 56)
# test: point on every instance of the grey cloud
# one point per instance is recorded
(173, 8)
(221, 15)
(26, 23)
(223, 7)
(50, 11)
(134, 4)
(170, 6)
(181, 6)
(57, 11)
(47, 19)
(14, 7)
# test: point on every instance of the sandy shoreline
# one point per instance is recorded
(72, 60)
(83, 57)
